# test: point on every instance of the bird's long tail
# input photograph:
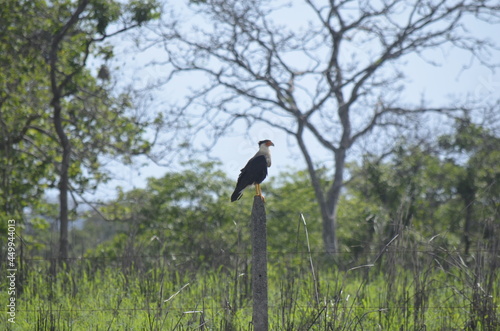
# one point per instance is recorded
(238, 192)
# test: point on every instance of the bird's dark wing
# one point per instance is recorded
(253, 173)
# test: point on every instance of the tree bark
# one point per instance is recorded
(63, 182)
(466, 189)
(332, 201)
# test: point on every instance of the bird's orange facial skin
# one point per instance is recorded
(269, 143)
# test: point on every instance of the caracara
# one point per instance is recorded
(254, 172)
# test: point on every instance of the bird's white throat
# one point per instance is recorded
(264, 150)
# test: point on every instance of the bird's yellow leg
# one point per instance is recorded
(258, 191)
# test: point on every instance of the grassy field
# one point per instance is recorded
(411, 290)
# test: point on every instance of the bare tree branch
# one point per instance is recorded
(337, 78)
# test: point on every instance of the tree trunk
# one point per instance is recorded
(328, 208)
(329, 204)
(466, 189)
(63, 181)
(332, 203)
(63, 211)
(57, 88)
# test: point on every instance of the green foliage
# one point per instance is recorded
(97, 120)
(480, 169)
(104, 12)
(180, 213)
(25, 168)
(144, 11)
(188, 212)
(453, 196)
(290, 195)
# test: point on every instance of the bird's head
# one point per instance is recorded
(266, 143)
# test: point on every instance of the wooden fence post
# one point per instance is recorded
(259, 266)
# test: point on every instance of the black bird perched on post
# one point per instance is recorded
(255, 171)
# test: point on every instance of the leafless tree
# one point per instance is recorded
(331, 76)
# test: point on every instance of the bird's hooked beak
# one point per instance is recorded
(269, 143)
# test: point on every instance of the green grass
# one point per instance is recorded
(166, 297)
